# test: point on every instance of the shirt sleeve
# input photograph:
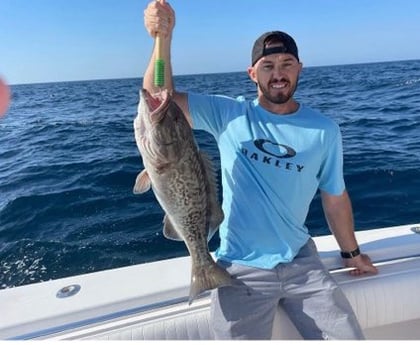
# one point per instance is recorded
(210, 113)
(331, 179)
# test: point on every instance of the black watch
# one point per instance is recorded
(352, 254)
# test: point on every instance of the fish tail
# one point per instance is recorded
(208, 277)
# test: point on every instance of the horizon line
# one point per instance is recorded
(205, 73)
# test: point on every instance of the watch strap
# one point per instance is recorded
(352, 254)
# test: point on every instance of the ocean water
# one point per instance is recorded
(68, 162)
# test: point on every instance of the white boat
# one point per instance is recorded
(150, 301)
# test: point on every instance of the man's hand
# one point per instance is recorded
(159, 19)
(362, 264)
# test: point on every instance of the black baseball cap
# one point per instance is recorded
(259, 50)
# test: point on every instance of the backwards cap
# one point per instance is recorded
(259, 50)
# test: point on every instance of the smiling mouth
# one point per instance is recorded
(279, 84)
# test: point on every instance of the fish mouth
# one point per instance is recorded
(156, 103)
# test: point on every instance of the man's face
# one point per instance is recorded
(277, 76)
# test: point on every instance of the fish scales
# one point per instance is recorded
(183, 182)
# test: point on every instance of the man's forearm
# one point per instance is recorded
(339, 215)
(165, 55)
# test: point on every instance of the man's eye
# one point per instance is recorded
(290, 65)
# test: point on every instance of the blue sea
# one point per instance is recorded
(68, 162)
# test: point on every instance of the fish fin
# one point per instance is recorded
(169, 230)
(216, 217)
(207, 277)
(215, 212)
(143, 183)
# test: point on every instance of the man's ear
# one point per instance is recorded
(252, 74)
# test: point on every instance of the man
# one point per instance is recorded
(275, 154)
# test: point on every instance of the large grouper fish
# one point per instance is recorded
(184, 184)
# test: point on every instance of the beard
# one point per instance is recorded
(278, 96)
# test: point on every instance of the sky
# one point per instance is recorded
(65, 40)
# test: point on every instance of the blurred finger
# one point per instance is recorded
(4, 97)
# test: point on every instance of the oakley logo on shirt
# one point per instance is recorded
(273, 154)
(281, 151)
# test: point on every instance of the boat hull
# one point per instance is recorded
(150, 301)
